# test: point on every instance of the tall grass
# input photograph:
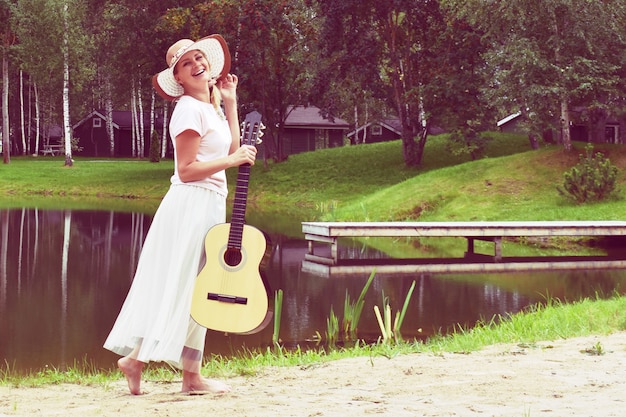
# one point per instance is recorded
(552, 320)
(352, 311)
(278, 313)
(542, 322)
(392, 332)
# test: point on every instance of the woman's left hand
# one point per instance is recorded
(228, 86)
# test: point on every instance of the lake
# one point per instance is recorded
(64, 276)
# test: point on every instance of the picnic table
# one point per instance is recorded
(52, 149)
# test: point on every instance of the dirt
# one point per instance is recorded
(574, 377)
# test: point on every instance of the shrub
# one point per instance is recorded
(155, 147)
(593, 179)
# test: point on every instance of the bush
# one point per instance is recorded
(593, 179)
(155, 147)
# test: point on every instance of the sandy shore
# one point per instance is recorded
(556, 378)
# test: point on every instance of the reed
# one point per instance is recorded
(332, 328)
(392, 332)
(405, 306)
(352, 311)
(278, 310)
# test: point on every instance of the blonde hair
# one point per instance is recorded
(216, 98)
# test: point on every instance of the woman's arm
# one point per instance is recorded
(228, 90)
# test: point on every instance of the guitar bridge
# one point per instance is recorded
(224, 298)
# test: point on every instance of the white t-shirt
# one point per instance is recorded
(215, 138)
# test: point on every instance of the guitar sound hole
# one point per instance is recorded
(232, 257)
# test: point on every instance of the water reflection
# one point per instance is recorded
(64, 276)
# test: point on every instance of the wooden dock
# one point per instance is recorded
(328, 233)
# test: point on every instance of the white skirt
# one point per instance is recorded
(154, 323)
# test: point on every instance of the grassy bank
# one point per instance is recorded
(541, 323)
(352, 183)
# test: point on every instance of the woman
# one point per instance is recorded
(154, 323)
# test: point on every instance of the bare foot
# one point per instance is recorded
(193, 382)
(132, 370)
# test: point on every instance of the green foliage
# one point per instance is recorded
(352, 311)
(593, 179)
(278, 309)
(332, 328)
(551, 321)
(465, 141)
(155, 147)
(391, 332)
(74, 142)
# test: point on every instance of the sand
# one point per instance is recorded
(553, 378)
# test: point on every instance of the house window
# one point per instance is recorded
(611, 134)
(377, 130)
(97, 122)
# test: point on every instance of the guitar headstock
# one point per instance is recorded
(251, 129)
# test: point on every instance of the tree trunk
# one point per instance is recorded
(412, 151)
(67, 128)
(164, 138)
(25, 148)
(109, 115)
(142, 147)
(566, 138)
(135, 127)
(152, 125)
(6, 143)
(565, 123)
(37, 118)
(534, 143)
(365, 122)
(356, 125)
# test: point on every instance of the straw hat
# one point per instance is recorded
(214, 48)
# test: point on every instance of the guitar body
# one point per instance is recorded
(232, 284)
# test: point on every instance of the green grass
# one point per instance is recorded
(369, 182)
(516, 187)
(549, 322)
(552, 321)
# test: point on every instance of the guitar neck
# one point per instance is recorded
(238, 218)
(249, 135)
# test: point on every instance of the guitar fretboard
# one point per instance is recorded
(249, 135)
(239, 208)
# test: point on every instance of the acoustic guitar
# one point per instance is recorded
(230, 294)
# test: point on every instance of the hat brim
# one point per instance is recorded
(215, 49)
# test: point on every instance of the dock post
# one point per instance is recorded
(497, 243)
(470, 246)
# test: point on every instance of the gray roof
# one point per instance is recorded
(310, 117)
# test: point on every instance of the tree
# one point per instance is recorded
(427, 65)
(273, 48)
(7, 38)
(55, 50)
(135, 27)
(348, 79)
(548, 56)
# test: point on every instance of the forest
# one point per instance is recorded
(459, 64)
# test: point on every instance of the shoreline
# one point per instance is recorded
(578, 376)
